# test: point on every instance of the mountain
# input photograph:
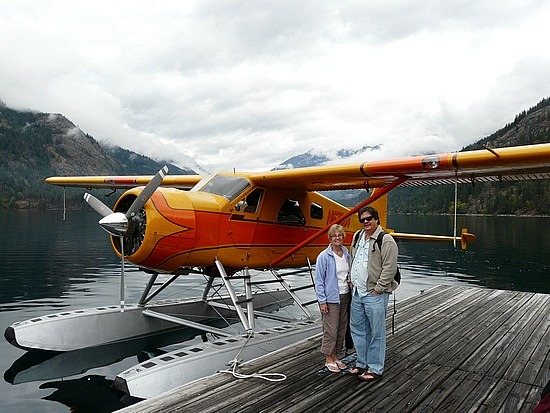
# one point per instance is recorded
(522, 198)
(311, 158)
(35, 145)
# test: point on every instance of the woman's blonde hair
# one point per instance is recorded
(336, 228)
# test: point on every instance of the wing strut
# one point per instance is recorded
(379, 193)
(456, 209)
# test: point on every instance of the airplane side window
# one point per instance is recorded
(316, 211)
(290, 213)
(253, 200)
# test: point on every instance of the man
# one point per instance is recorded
(372, 281)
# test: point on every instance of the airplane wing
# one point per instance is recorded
(123, 182)
(486, 165)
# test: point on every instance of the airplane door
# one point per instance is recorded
(244, 218)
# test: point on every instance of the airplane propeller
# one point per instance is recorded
(119, 224)
(97, 205)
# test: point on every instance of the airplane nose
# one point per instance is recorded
(115, 224)
(170, 231)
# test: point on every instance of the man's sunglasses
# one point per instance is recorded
(363, 220)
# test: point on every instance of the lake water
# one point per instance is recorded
(50, 265)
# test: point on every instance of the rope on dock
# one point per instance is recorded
(234, 364)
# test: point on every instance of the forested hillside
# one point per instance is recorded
(520, 198)
(36, 145)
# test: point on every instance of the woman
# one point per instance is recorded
(332, 292)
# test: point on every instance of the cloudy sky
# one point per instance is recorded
(248, 84)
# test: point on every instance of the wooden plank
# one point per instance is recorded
(516, 399)
(494, 346)
(439, 399)
(531, 400)
(452, 345)
(476, 388)
(496, 398)
(537, 365)
(409, 394)
(525, 338)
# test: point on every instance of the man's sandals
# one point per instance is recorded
(369, 376)
(364, 375)
(356, 371)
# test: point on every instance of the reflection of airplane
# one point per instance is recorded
(80, 394)
(228, 223)
(46, 365)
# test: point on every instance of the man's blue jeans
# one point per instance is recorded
(368, 329)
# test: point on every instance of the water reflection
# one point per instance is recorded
(43, 255)
(39, 365)
(510, 252)
(90, 394)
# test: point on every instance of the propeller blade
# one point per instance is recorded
(97, 205)
(149, 189)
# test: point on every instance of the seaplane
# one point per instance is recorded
(229, 227)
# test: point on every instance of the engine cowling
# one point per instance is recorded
(162, 233)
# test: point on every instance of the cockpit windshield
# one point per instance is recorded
(225, 185)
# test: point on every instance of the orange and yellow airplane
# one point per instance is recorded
(275, 219)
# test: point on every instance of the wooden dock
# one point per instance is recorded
(455, 349)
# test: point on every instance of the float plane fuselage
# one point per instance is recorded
(253, 219)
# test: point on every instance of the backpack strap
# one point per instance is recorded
(379, 240)
(357, 237)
